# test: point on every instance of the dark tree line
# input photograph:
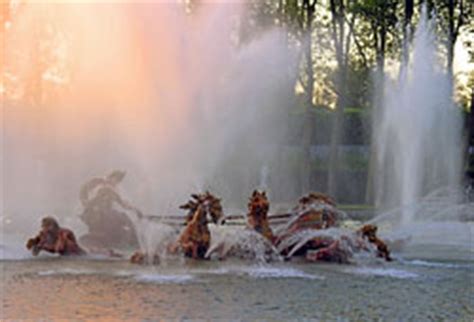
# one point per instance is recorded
(358, 36)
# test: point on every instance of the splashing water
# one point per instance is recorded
(419, 130)
(300, 238)
(241, 242)
(264, 175)
(441, 225)
(154, 238)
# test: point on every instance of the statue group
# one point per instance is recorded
(111, 223)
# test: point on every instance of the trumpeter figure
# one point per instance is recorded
(105, 214)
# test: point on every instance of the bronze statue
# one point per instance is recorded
(105, 214)
(370, 233)
(195, 239)
(212, 205)
(257, 216)
(54, 239)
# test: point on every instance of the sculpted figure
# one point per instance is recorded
(257, 216)
(316, 211)
(195, 239)
(54, 239)
(212, 206)
(105, 214)
(329, 251)
(370, 233)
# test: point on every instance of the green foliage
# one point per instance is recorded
(378, 30)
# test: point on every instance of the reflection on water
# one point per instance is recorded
(55, 288)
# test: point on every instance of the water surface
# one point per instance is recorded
(409, 289)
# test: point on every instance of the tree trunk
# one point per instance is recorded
(380, 44)
(308, 125)
(338, 14)
(407, 28)
(469, 162)
(336, 135)
(451, 39)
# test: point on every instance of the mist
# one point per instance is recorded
(174, 99)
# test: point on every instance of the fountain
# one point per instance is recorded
(185, 105)
(419, 130)
(419, 149)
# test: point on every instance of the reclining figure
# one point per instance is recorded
(315, 211)
(54, 239)
(312, 233)
(329, 250)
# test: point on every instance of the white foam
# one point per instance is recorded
(389, 272)
(418, 262)
(277, 272)
(66, 271)
(164, 279)
(214, 271)
(259, 272)
(140, 277)
(82, 271)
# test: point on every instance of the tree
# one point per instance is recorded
(452, 16)
(408, 14)
(342, 46)
(309, 8)
(458, 13)
(378, 35)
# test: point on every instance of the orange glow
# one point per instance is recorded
(79, 67)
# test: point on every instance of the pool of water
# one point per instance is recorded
(413, 289)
